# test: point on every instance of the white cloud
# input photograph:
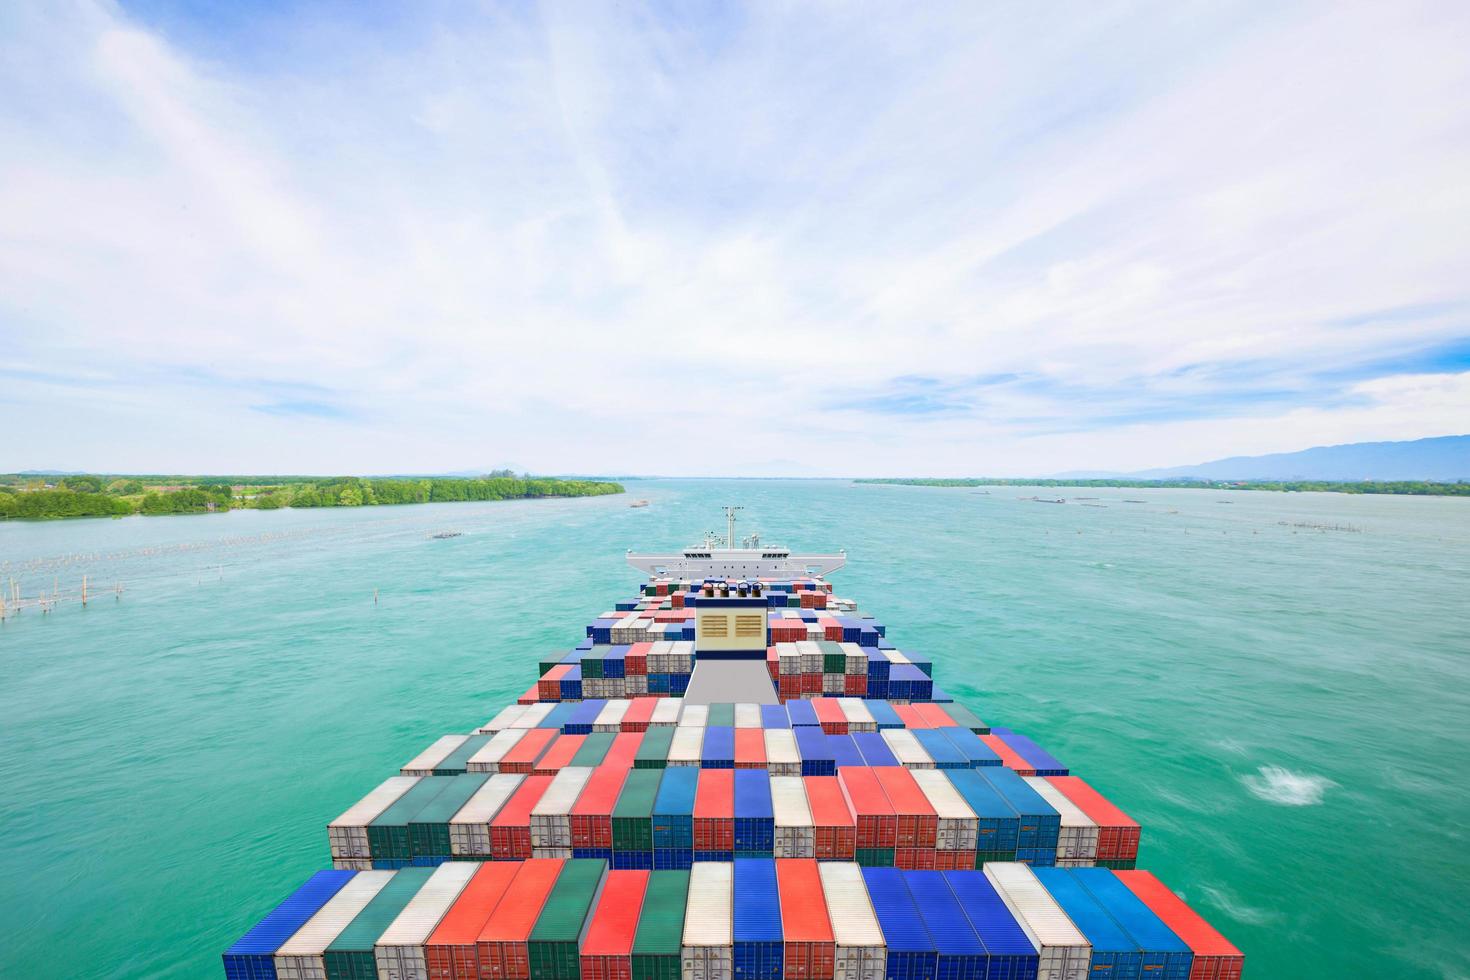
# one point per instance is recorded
(568, 236)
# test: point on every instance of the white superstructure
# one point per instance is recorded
(714, 558)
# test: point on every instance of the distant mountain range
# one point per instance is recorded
(1442, 459)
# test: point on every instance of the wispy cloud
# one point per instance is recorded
(1134, 235)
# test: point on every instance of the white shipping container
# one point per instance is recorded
(534, 714)
(747, 715)
(658, 657)
(685, 747)
(811, 654)
(1065, 952)
(782, 756)
(665, 713)
(857, 660)
(551, 852)
(859, 718)
(896, 657)
(610, 718)
(861, 953)
(551, 820)
(707, 949)
(301, 956)
(795, 835)
(635, 684)
(788, 658)
(399, 951)
(833, 683)
(958, 826)
(906, 748)
(487, 757)
(469, 829)
(694, 716)
(347, 835)
(503, 720)
(423, 764)
(1077, 840)
(352, 864)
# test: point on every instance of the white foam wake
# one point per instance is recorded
(1278, 785)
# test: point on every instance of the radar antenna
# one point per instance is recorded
(730, 526)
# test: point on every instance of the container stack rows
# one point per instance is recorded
(864, 827)
(757, 918)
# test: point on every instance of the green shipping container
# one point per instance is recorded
(350, 956)
(964, 716)
(661, 927)
(428, 830)
(1118, 864)
(874, 857)
(653, 751)
(552, 948)
(454, 763)
(632, 818)
(983, 856)
(388, 833)
(594, 749)
(722, 714)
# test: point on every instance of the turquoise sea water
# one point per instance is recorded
(1283, 708)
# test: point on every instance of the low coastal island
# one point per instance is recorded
(1406, 487)
(28, 496)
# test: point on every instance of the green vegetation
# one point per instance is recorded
(35, 497)
(1407, 487)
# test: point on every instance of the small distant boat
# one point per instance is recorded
(639, 503)
(1044, 500)
(1133, 501)
(447, 534)
(981, 493)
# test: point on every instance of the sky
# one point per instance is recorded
(796, 239)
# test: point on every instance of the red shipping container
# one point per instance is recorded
(661, 588)
(873, 815)
(750, 748)
(935, 716)
(559, 754)
(1008, 756)
(1215, 957)
(502, 943)
(918, 823)
(638, 715)
(811, 683)
(624, 747)
(1117, 833)
(548, 688)
(677, 600)
(835, 830)
(831, 628)
(523, 755)
(773, 663)
(855, 685)
(607, 944)
(789, 686)
(954, 860)
(450, 951)
(806, 929)
(591, 815)
(915, 858)
(510, 831)
(714, 810)
(635, 662)
(530, 697)
(830, 716)
(909, 715)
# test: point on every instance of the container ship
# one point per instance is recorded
(736, 774)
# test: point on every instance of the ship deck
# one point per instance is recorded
(718, 681)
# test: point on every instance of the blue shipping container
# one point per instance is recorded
(252, 955)
(1046, 764)
(998, 824)
(1165, 955)
(941, 750)
(970, 745)
(874, 749)
(673, 808)
(961, 954)
(845, 751)
(1012, 955)
(802, 714)
(755, 823)
(1039, 821)
(719, 748)
(757, 913)
(1114, 954)
(774, 716)
(911, 951)
(816, 757)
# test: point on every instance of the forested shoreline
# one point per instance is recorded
(27, 497)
